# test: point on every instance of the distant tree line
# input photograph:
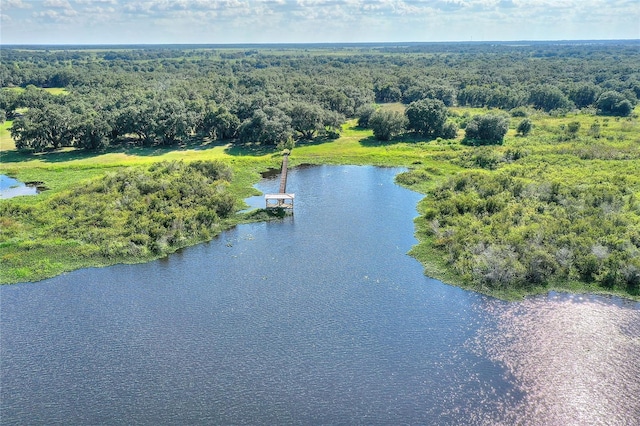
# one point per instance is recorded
(168, 96)
(98, 120)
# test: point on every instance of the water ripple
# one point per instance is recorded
(317, 319)
(575, 358)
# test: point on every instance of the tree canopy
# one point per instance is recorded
(387, 124)
(614, 103)
(427, 117)
(169, 96)
(486, 129)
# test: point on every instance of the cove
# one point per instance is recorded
(320, 318)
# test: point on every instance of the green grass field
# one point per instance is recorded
(51, 90)
(6, 142)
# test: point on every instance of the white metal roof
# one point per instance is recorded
(279, 196)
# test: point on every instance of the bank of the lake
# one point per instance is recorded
(124, 214)
(534, 166)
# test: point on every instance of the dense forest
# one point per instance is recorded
(169, 96)
(539, 140)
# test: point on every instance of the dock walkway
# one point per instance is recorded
(281, 200)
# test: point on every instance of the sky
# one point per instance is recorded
(313, 21)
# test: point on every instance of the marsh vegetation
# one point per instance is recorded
(528, 156)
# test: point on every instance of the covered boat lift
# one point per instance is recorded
(279, 201)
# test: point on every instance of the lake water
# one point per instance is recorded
(10, 187)
(320, 318)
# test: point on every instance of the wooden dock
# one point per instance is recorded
(283, 174)
(281, 200)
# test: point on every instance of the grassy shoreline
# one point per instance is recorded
(436, 161)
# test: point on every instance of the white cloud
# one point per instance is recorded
(57, 4)
(64, 15)
(15, 4)
(229, 21)
(94, 2)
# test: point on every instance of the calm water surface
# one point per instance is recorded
(318, 319)
(10, 187)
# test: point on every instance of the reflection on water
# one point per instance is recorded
(320, 318)
(576, 358)
(10, 188)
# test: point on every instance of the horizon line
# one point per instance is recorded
(353, 43)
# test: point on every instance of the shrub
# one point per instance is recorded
(364, 114)
(519, 112)
(524, 127)
(500, 231)
(594, 130)
(614, 103)
(137, 210)
(450, 130)
(488, 129)
(572, 128)
(386, 124)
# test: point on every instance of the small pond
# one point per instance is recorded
(10, 187)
